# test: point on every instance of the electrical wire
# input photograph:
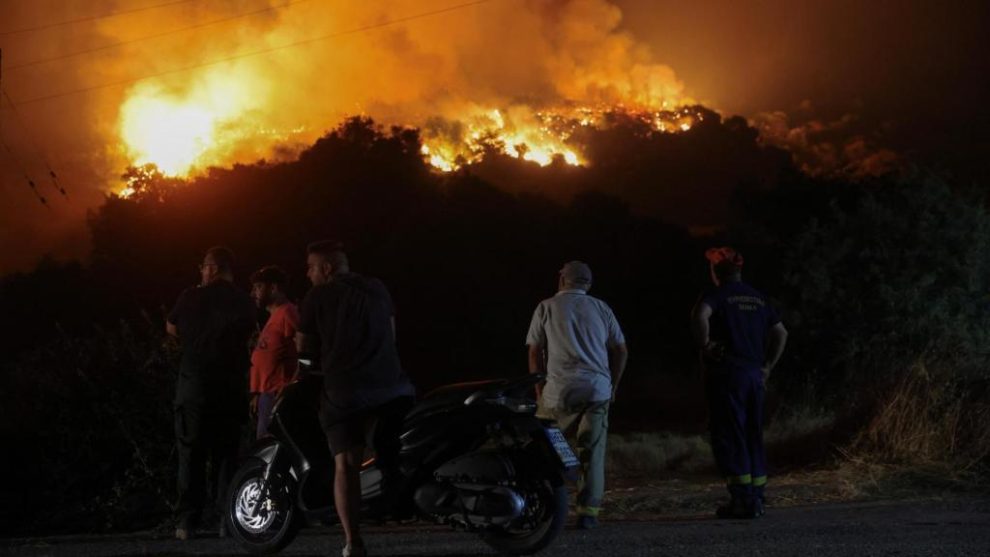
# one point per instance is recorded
(24, 174)
(92, 18)
(34, 144)
(150, 37)
(354, 31)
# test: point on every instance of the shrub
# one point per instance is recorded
(91, 417)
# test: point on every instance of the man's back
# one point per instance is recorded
(214, 322)
(741, 318)
(352, 315)
(577, 330)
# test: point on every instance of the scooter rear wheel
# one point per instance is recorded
(262, 525)
(548, 512)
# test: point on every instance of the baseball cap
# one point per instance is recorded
(577, 272)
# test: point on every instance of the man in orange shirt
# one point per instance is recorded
(273, 362)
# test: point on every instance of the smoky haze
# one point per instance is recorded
(793, 67)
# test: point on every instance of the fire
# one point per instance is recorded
(541, 136)
(237, 92)
(219, 119)
(211, 125)
(167, 133)
(201, 126)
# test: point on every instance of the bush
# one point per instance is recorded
(90, 418)
(890, 276)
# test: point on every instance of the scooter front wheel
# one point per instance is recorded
(262, 522)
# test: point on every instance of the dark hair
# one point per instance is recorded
(223, 257)
(270, 275)
(332, 251)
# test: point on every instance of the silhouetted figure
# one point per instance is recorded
(348, 319)
(213, 321)
(274, 360)
(576, 340)
(741, 339)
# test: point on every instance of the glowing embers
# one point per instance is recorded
(540, 136)
(518, 132)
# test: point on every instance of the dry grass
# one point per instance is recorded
(638, 454)
(925, 423)
(925, 439)
(799, 424)
(654, 453)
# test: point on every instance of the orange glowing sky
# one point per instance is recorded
(211, 100)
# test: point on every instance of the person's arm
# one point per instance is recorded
(536, 340)
(701, 331)
(699, 324)
(775, 348)
(289, 330)
(537, 364)
(305, 344)
(618, 355)
(173, 317)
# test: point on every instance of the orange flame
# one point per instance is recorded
(539, 136)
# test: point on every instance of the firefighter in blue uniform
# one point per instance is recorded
(741, 339)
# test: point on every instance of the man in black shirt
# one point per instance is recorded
(349, 319)
(213, 322)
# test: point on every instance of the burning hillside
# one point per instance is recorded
(539, 136)
(423, 65)
(105, 85)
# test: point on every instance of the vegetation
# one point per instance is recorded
(883, 285)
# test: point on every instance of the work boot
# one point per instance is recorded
(737, 509)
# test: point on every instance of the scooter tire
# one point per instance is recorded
(273, 532)
(542, 536)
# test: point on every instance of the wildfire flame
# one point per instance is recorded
(210, 123)
(202, 128)
(579, 69)
(540, 136)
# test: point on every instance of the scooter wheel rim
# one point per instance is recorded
(244, 510)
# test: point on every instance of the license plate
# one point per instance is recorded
(563, 448)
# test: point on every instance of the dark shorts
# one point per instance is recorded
(379, 426)
(349, 433)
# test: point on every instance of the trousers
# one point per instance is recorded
(592, 433)
(736, 397)
(204, 434)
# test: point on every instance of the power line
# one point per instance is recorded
(34, 144)
(92, 18)
(257, 52)
(154, 36)
(25, 174)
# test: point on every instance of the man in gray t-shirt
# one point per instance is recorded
(576, 340)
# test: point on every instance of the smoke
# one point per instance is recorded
(195, 84)
(528, 53)
(826, 148)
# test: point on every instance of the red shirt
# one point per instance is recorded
(273, 362)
